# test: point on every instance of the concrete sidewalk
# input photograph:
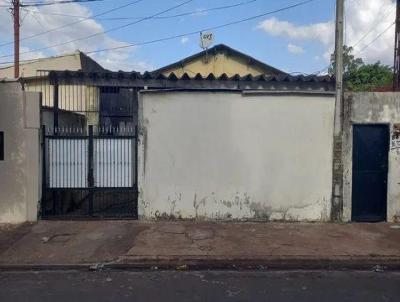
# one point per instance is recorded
(186, 245)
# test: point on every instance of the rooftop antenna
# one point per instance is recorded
(206, 40)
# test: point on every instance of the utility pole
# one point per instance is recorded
(339, 65)
(396, 78)
(15, 13)
(337, 175)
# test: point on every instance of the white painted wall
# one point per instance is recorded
(224, 155)
(20, 169)
(372, 108)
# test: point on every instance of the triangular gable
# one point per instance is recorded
(219, 60)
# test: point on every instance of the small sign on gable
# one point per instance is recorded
(206, 39)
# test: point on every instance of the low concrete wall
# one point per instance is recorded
(20, 170)
(372, 108)
(225, 155)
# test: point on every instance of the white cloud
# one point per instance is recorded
(121, 60)
(42, 19)
(318, 32)
(371, 18)
(184, 40)
(199, 12)
(294, 49)
(32, 54)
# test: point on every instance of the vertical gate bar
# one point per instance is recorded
(100, 161)
(109, 161)
(60, 173)
(55, 172)
(128, 148)
(43, 169)
(55, 108)
(90, 171)
(136, 171)
(70, 142)
(77, 164)
(120, 163)
(115, 160)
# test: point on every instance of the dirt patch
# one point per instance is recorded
(70, 242)
(9, 234)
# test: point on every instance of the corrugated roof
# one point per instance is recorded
(154, 80)
(186, 77)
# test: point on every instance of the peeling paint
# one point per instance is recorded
(231, 159)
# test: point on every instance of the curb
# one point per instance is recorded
(377, 264)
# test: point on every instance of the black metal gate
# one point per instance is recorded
(89, 173)
(89, 143)
(370, 172)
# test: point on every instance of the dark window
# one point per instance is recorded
(1, 145)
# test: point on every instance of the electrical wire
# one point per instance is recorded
(363, 49)
(200, 11)
(376, 38)
(193, 32)
(36, 4)
(104, 32)
(73, 23)
(375, 24)
(107, 31)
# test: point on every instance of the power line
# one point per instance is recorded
(73, 23)
(374, 25)
(104, 32)
(363, 49)
(376, 38)
(159, 17)
(202, 30)
(29, 4)
(107, 31)
(197, 31)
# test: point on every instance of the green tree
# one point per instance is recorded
(359, 76)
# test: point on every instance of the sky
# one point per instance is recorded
(297, 40)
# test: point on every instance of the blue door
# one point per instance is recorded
(370, 172)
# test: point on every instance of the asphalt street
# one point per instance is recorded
(199, 286)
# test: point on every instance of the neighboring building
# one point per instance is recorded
(371, 157)
(219, 60)
(75, 61)
(34, 77)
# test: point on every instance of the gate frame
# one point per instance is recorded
(91, 188)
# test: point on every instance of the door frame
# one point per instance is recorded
(388, 127)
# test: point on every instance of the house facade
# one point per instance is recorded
(196, 137)
(173, 145)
